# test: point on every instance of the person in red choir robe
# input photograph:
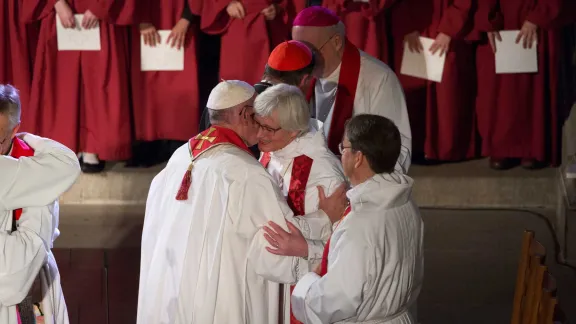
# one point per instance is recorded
(166, 103)
(349, 81)
(250, 29)
(365, 23)
(17, 50)
(441, 113)
(81, 98)
(518, 114)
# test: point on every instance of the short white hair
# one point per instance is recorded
(339, 29)
(290, 104)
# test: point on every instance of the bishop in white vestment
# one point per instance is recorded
(295, 154)
(204, 257)
(350, 82)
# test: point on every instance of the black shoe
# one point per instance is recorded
(91, 168)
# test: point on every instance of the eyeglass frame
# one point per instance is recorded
(341, 147)
(264, 127)
(326, 42)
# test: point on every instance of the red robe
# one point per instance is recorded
(441, 114)
(518, 113)
(166, 103)
(365, 24)
(81, 98)
(17, 49)
(246, 43)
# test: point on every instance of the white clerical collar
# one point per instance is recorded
(331, 81)
(387, 190)
(305, 144)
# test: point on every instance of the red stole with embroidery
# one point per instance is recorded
(296, 199)
(324, 263)
(345, 94)
(19, 149)
(208, 139)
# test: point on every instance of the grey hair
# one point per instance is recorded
(10, 104)
(339, 29)
(290, 104)
(219, 116)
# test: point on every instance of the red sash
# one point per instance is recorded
(345, 94)
(301, 168)
(210, 138)
(324, 263)
(19, 149)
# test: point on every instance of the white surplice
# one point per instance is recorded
(375, 260)
(38, 180)
(204, 259)
(326, 171)
(30, 182)
(378, 92)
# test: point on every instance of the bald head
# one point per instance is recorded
(327, 42)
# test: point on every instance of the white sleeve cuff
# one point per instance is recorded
(298, 299)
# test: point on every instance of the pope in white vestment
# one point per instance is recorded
(33, 183)
(204, 257)
(374, 86)
(300, 161)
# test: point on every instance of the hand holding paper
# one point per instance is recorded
(423, 64)
(77, 38)
(512, 57)
(161, 57)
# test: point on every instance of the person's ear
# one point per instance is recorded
(15, 131)
(338, 42)
(359, 158)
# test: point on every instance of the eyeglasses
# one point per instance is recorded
(326, 42)
(341, 148)
(265, 128)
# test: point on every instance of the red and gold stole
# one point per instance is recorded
(208, 139)
(345, 94)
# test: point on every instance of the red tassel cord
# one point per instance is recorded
(185, 185)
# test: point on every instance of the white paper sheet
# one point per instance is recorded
(514, 58)
(162, 57)
(423, 65)
(77, 38)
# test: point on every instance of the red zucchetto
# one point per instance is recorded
(316, 16)
(290, 56)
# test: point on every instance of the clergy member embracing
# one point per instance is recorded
(296, 156)
(372, 267)
(350, 82)
(204, 257)
(35, 172)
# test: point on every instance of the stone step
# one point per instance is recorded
(457, 185)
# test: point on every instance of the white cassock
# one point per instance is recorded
(378, 92)
(32, 181)
(326, 171)
(204, 259)
(375, 260)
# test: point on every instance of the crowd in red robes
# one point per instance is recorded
(100, 102)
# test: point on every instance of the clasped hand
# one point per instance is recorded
(292, 242)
